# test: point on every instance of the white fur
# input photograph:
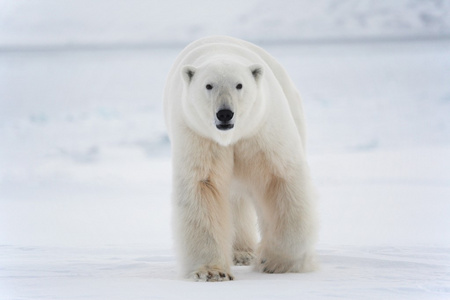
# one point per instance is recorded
(219, 176)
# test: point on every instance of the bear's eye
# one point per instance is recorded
(209, 87)
(239, 86)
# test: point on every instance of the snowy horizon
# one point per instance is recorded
(54, 24)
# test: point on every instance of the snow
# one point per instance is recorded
(85, 171)
(111, 273)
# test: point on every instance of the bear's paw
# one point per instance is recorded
(211, 274)
(304, 264)
(243, 258)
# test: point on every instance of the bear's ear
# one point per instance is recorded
(188, 72)
(257, 71)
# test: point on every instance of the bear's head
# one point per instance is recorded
(222, 100)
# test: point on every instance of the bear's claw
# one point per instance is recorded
(212, 274)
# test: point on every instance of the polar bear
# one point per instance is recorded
(236, 126)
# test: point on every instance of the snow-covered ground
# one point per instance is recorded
(85, 175)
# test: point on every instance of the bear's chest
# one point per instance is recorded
(255, 163)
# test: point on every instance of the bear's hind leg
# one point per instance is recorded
(245, 233)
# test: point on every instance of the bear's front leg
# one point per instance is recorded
(288, 226)
(203, 232)
(201, 210)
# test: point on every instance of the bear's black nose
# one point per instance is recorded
(224, 115)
